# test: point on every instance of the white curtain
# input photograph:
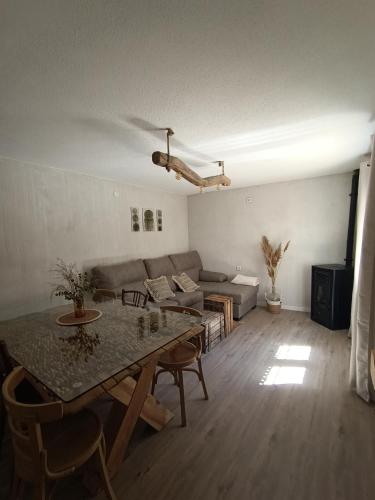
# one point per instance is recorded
(362, 321)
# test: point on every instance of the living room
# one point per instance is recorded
(153, 146)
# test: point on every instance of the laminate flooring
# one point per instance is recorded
(281, 424)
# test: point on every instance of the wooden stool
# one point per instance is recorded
(180, 358)
(226, 304)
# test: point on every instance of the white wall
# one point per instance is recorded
(48, 213)
(312, 213)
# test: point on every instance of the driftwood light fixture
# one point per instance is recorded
(182, 170)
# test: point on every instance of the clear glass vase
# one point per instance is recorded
(79, 307)
(272, 295)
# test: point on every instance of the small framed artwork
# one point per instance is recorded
(159, 219)
(148, 219)
(134, 219)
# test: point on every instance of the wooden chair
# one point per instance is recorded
(6, 366)
(47, 446)
(103, 294)
(179, 359)
(25, 392)
(134, 298)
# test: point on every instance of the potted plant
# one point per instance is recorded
(74, 287)
(272, 257)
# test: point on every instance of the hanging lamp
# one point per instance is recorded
(182, 170)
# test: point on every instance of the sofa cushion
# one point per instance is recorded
(212, 276)
(241, 279)
(185, 283)
(159, 288)
(193, 273)
(188, 298)
(186, 260)
(240, 293)
(115, 275)
(161, 266)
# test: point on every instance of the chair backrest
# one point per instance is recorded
(182, 309)
(6, 364)
(197, 341)
(103, 294)
(24, 423)
(134, 298)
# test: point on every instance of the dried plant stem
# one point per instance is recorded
(272, 257)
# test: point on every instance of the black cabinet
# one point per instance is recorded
(331, 295)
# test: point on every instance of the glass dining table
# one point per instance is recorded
(78, 364)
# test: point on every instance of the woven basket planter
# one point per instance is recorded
(274, 308)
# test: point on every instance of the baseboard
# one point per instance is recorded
(285, 306)
(297, 308)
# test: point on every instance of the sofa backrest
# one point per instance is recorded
(188, 262)
(161, 266)
(115, 276)
(131, 275)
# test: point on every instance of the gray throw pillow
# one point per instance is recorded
(185, 283)
(159, 288)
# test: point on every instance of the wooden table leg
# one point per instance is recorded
(226, 317)
(153, 413)
(231, 313)
(127, 418)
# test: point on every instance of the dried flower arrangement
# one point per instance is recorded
(75, 286)
(272, 257)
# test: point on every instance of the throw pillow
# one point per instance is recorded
(159, 288)
(185, 283)
(240, 279)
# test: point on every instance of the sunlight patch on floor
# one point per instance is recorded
(293, 352)
(281, 375)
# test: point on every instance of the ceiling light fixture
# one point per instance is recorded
(182, 170)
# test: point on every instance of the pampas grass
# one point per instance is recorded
(272, 258)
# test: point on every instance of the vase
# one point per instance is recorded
(79, 308)
(272, 295)
(273, 301)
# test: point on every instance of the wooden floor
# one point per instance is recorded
(299, 441)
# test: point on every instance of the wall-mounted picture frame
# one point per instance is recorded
(159, 219)
(148, 218)
(135, 223)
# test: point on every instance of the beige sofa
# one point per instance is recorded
(131, 275)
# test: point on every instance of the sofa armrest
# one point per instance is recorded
(212, 276)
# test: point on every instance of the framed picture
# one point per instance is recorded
(159, 219)
(148, 219)
(134, 219)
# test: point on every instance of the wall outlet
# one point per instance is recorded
(238, 268)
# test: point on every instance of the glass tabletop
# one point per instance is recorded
(70, 360)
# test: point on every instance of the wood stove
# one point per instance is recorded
(332, 284)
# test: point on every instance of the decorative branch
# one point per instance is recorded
(174, 163)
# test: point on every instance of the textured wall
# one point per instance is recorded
(226, 227)
(47, 213)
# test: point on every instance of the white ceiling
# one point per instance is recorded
(278, 89)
